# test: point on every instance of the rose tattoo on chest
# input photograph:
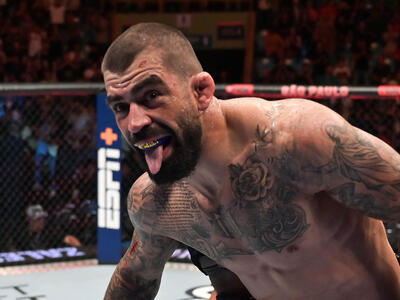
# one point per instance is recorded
(264, 196)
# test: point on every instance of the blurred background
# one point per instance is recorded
(48, 158)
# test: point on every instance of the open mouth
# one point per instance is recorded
(155, 151)
(165, 140)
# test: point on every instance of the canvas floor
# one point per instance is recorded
(87, 280)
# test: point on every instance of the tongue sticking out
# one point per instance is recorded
(154, 159)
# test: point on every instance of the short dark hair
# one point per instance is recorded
(178, 54)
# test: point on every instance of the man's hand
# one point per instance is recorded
(213, 296)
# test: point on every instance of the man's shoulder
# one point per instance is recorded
(142, 182)
(290, 126)
(296, 117)
(139, 193)
(251, 111)
(252, 117)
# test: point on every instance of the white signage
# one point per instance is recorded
(108, 189)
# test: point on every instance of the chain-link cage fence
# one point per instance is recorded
(48, 171)
(47, 176)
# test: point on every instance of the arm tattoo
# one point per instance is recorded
(138, 274)
(356, 158)
(263, 186)
(145, 289)
(371, 176)
(365, 202)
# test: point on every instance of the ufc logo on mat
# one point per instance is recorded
(108, 188)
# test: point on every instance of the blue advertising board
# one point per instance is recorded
(109, 157)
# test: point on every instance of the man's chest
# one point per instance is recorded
(258, 210)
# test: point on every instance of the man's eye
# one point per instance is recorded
(151, 95)
(119, 107)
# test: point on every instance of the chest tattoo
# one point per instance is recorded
(176, 207)
(264, 191)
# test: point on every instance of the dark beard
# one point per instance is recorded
(185, 155)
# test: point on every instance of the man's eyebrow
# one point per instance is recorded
(151, 80)
(111, 99)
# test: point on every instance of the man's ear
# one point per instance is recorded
(203, 87)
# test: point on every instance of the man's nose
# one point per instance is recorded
(137, 118)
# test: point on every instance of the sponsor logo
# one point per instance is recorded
(314, 91)
(240, 89)
(181, 254)
(200, 292)
(389, 90)
(37, 255)
(108, 164)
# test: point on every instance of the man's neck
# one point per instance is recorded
(216, 152)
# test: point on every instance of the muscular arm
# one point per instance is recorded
(138, 274)
(356, 168)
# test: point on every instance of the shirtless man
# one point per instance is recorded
(285, 194)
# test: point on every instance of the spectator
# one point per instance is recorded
(3, 55)
(343, 23)
(342, 71)
(267, 9)
(46, 153)
(311, 14)
(361, 33)
(328, 11)
(56, 47)
(361, 58)
(273, 44)
(13, 151)
(36, 236)
(321, 58)
(325, 34)
(306, 75)
(327, 78)
(36, 40)
(382, 70)
(38, 233)
(102, 29)
(70, 66)
(284, 72)
(57, 9)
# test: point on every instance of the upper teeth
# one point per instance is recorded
(152, 144)
(148, 144)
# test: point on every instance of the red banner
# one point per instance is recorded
(240, 89)
(389, 90)
(314, 91)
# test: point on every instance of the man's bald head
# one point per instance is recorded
(177, 52)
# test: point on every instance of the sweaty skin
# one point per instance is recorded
(286, 194)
